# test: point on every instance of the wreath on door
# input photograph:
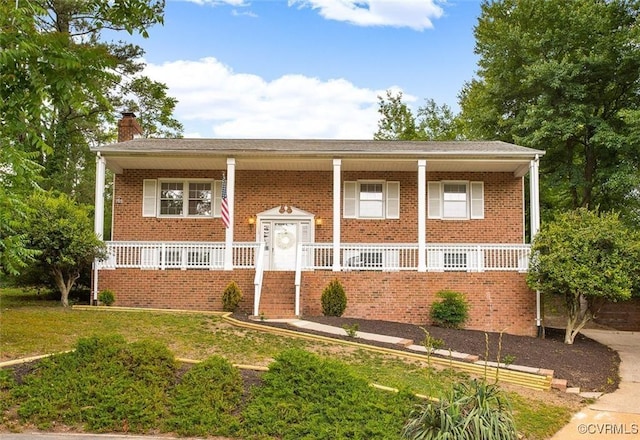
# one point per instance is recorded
(284, 240)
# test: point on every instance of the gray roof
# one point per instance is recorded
(317, 147)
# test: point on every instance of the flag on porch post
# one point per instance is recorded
(224, 205)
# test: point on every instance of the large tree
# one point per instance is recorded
(60, 87)
(432, 122)
(564, 78)
(588, 259)
(112, 69)
(62, 232)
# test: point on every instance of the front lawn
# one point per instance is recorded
(32, 325)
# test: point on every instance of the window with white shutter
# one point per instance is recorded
(181, 198)
(371, 199)
(435, 199)
(149, 201)
(477, 200)
(350, 199)
(456, 200)
(393, 199)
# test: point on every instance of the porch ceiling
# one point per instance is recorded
(118, 164)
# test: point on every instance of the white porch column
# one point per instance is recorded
(98, 221)
(231, 197)
(337, 166)
(534, 215)
(534, 196)
(422, 215)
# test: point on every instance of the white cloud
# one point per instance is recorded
(414, 14)
(241, 105)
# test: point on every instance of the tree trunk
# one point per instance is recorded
(578, 316)
(64, 286)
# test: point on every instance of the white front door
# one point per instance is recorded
(281, 239)
(284, 246)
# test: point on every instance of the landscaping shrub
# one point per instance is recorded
(306, 397)
(451, 311)
(106, 384)
(204, 401)
(106, 297)
(7, 383)
(334, 300)
(474, 410)
(231, 297)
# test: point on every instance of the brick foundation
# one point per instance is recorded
(499, 301)
(176, 289)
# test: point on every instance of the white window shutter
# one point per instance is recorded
(149, 197)
(217, 198)
(434, 191)
(350, 200)
(477, 200)
(393, 199)
(305, 232)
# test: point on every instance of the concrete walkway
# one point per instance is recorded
(615, 415)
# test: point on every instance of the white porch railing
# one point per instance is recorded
(319, 256)
(257, 280)
(176, 255)
(440, 257)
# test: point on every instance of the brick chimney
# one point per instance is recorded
(128, 127)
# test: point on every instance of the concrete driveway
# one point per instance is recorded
(615, 415)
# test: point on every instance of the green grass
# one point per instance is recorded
(32, 324)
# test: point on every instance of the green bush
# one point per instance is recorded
(231, 297)
(106, 297)
(451, 311)
(334, 300)
(474, 410)
(106, 385)
(204, 402)
(307, 397)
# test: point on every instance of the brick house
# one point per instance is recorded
(395, 222)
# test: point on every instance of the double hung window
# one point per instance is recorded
(371, 199)
(456, 200)
(181, 198)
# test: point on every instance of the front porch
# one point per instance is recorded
(376, 274)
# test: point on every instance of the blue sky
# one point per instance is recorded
(307, 68)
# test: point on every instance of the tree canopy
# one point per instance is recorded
(565, 80)
(62, 233)
(587, 258)
(432, 122)
(61, 83)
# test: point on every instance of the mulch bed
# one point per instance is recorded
(586, 364)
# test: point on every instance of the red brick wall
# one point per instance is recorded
(258, 191)
(176, 289)
(499, 301)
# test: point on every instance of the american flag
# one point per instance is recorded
(224, 205)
